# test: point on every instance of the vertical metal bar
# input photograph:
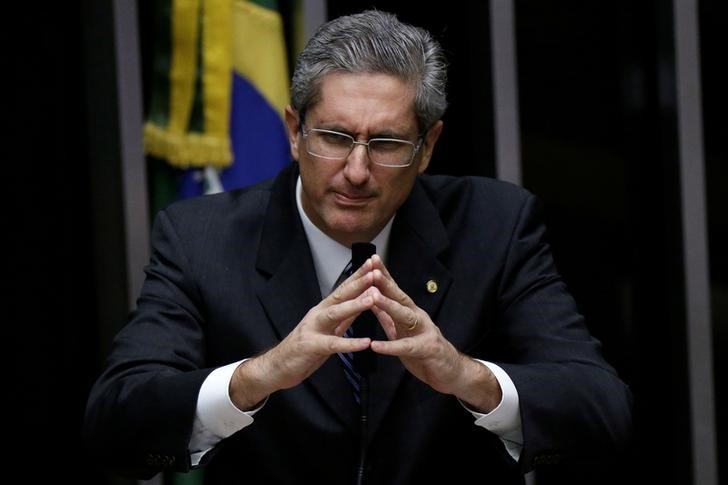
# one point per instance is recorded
(505, 101)
(695, 248)
(133, 168)
(505, 91)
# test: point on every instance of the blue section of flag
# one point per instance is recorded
(259, 142)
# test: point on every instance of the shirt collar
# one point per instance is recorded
(329, 256)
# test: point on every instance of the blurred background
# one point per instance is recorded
(613, 113)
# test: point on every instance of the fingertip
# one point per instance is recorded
(376, 346)
(370, 277)
(377, 260)
(363, 343)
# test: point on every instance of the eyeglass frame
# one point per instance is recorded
(354, 142)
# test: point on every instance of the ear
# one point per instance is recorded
(428, 145)
(294, 129)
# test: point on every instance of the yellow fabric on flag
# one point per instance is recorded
(217, 46)
(259, 51)
(185, 27)
(175, 142)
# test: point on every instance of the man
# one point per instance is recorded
(238, 357)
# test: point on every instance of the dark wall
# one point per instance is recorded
(714, 38)
(48, 219)
(599, 137)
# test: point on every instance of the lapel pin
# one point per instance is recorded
(431, 286)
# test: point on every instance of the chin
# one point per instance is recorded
(348, 232)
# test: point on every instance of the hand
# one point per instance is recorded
(308, 345)
(423, 350)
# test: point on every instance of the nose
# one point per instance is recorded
(356, 169)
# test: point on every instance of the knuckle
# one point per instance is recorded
(330, 314)
(410, 348)
(338, 294)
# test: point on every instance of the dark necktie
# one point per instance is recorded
(347, 358)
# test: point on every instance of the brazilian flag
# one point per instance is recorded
(219, 85)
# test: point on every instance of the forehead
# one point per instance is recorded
(363, 102)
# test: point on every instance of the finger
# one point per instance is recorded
(404, 347)
(335, 344)
(352, 287)
(389, 287)
(341, 328)
(382, 276)
(365, 267)
(377, 263)
(330, 317)
(386, 322)
(405, 318)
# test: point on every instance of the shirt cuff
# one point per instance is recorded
(505, 419)
(216, 416)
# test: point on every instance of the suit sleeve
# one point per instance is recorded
(574, 407)
(140, 411)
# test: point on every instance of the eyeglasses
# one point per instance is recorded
(332, 145)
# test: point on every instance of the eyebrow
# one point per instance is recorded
(380, 134)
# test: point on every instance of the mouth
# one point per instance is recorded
(352, 198)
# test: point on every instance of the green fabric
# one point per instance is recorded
(162, 181)
(158, 111)
(195, 477)
(161, 177)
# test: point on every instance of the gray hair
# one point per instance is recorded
(374, 42)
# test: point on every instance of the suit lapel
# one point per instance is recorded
(292, 289)
(417, 238)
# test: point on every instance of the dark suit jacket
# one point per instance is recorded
(231, 275)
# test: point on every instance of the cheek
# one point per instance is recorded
(401, 185)
(396, 189)
(314, 177)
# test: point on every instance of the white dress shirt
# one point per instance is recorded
(216, 416)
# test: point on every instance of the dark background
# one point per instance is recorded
(599, 146)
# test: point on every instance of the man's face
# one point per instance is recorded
(351, 200)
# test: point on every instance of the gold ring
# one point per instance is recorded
(414, 325)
